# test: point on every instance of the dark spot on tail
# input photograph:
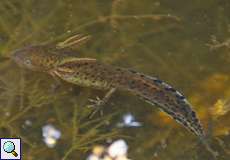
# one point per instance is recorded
(181, 97)
(193, 114)
(170, 89)
(158, 81)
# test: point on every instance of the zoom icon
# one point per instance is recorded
(10, 148)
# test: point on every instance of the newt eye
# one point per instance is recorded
(28, 62)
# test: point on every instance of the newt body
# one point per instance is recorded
(91, 73)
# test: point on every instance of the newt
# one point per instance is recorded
(89, 72)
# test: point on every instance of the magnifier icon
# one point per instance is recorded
(9, 147)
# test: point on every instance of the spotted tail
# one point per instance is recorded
(168, 99)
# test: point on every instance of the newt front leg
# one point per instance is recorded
(99, 103)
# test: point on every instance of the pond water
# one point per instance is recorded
(185, 43)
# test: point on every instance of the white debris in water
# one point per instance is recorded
(128, 120)
(93, 157)
(116, 151)
(7, 114)
(28, 123)
(155, 154)
(163, 144)
(118, 148)
(50, 135)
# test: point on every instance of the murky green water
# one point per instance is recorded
(190, 52)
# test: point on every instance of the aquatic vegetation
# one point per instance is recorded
(39, 107)
(215, 44)
(220, 108)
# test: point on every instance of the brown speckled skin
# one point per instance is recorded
(91, 73)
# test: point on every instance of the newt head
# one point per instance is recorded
(38, 58)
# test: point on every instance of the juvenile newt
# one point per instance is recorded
(90, 72)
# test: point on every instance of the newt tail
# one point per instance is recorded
(91, 73)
